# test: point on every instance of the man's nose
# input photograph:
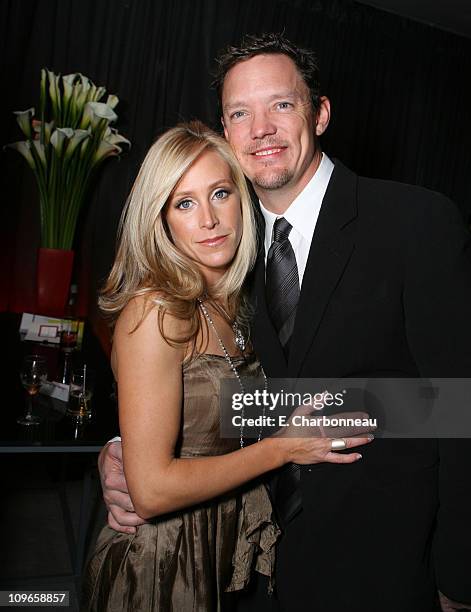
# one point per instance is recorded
(262, 125)
(208, 216)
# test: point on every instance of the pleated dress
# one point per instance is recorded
(189, 560)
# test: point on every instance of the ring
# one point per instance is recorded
(337, 444)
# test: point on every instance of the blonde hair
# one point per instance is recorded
(147, 262)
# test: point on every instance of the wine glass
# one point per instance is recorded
(80, 394)
(68, 344)
(33, 375)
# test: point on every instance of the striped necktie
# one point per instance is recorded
(282, 283)
(282, 294)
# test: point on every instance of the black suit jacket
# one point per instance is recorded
(386, 292)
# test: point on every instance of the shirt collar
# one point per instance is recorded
(302, 213)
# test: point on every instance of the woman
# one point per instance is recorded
(187, 242)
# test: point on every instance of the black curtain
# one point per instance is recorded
(400, 94)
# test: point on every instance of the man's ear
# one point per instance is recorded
(224, 128)
(323, 115)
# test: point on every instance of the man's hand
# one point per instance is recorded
(452, 606)
(121, 515)
(318, 431)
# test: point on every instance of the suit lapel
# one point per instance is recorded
(265, 339)
(331, 248)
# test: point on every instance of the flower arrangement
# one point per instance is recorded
(65, 146)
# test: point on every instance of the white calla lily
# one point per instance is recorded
(24, 148)
(86, 143)
(103, 111)
(54, 91)
(96, 111)
(68, 132)
(115, 138)
(68, 81)
(41, 151)
(78, 137)
(24, 121)
(87, 117)
(86, 83)
(76, 90)
(70, 78)
(42, 92)
(84, 89)
(58, 137)
(105, 150)
(100, 92)
(92, 93)
(112, 101)
(48, 127)
(80, 94)
(81, 99)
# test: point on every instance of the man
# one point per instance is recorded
(360, 278)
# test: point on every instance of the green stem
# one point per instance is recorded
(40, 174)
(75, 207)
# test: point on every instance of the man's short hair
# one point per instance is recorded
(252, 45)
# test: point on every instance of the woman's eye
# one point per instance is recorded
(221, 194)
(184, 204)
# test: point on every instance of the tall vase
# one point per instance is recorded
(54, 273)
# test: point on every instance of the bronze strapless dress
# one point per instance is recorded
(186, 561)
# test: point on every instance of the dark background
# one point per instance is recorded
(400, 93)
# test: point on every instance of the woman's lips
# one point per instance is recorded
(212, 242)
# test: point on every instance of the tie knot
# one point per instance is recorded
(281, 230)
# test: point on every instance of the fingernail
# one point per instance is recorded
(370, 437)
(359, 456)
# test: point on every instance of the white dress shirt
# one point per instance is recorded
(302, 215)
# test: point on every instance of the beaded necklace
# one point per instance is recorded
(238, 340)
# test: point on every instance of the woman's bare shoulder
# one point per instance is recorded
(141, 326)
(145, 311)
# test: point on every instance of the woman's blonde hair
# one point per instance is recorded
(147, 262)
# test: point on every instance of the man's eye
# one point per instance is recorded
(237, 114)
(184, 204)
(284, 105)
(221, 194)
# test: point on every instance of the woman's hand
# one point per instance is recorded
(307, 451)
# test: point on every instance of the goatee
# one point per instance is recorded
(276, 180)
